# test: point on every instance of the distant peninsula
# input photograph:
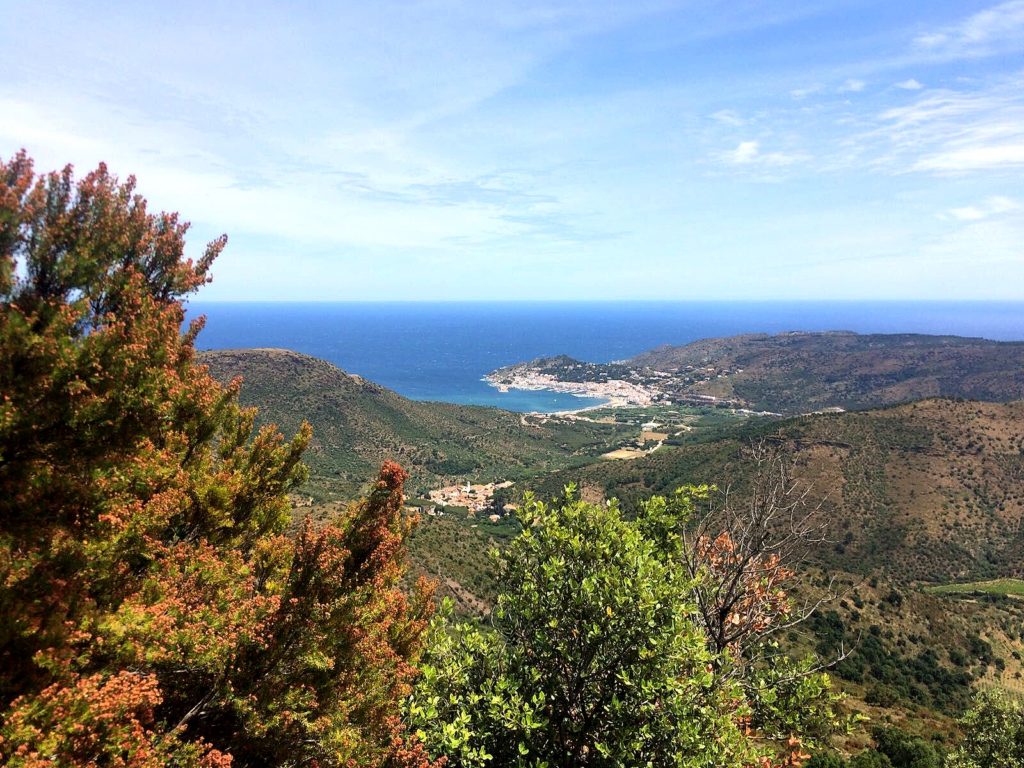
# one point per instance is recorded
(617, 384)
(789, 373)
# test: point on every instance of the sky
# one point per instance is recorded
(458, 149)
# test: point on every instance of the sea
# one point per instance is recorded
(441, 351)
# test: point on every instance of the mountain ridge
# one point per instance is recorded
(799, 372)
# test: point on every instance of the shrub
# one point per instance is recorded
(151, 610)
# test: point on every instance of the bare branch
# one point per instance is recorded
(744, 550)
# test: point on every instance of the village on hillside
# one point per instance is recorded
(474, 497)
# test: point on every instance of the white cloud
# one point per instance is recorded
(749, 153)
(728, 117)
(803, 93)
(910, 85)
(992, 206)
(852, 86)
(1001, 204)
(303, 202)
(975, 158)
(931, 39)
(746, 152)
(968, 213)
(986, 32)
(945, 131)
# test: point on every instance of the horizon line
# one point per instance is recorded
(188, 300)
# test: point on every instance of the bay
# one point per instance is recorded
(440, 351)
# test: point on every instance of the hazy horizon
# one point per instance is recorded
(829, 150)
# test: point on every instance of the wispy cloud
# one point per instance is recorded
(909, 85)
(728, 117)
(803, 93)
(946, 131)
(974, 158)
(746, 152)
(992, 206)
(749, 153)
(371, 144)
(292, 198)
(986, 32)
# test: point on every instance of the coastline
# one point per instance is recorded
(606, 401)
(610, 403)
(612, 394)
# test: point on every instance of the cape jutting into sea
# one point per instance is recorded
(440, 351)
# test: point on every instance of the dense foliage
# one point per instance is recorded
(993, 734)
(152, 611)
(893, 748)
(596, 657)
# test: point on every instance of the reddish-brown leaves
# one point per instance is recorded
(151, 609)
(755, 599)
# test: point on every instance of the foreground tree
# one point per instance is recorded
(993, 734)
(151, 610)
(597, 658)
(741, 559)
(749, 546)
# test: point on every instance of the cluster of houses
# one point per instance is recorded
(474, 497)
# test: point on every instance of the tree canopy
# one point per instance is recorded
(993, 734)
(152, 608)
(596, 657)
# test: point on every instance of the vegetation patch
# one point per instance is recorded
(1003, 587)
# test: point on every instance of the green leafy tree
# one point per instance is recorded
(905, 750)
(826, 760)
(594, 658)
(151, 610)
(993, 734)
(739, 566)
(870, 758)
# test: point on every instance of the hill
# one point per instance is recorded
(801, 372)
(790, 373)
(918, 497)
(931, 490)
(357, 424)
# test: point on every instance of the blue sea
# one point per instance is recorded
(440, 351)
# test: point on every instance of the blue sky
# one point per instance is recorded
(839, 149)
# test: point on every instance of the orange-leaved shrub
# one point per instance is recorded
(153, 610)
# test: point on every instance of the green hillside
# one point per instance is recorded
(358, 424)
(916, 497)
(932, 490)
(801, 372)
(919, 495)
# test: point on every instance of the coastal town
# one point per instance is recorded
(613, 392)
(617, 384)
